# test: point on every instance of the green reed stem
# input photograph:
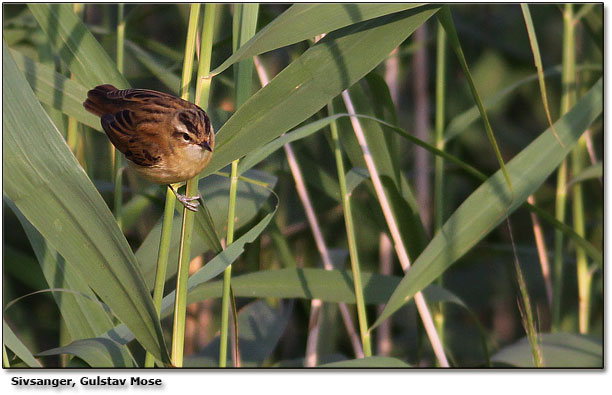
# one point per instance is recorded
(162, 261)
(578, 160)
(245, 22)
(203, 80)
(583, 273)
(568, 98)
(180, 305)
(352, 241)
(439, 161)
(227, 274)
(117, 157)
(560, 204)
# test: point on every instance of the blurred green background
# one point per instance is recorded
(496, 46)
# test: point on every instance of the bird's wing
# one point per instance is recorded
(106, 99)
(129, 135)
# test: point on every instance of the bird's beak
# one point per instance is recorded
(205, 145)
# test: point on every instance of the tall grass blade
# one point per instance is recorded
(215, 188)
(334, 286)
(244, 24)
(11, 341)
(488, 205)
(535, 49)
(76, 46)
(305, 21)
(42, 176)
(460, 123)
(180, 304)
(446, 19)
(97, 353)
(84, 318)
(311, 81)
(54, 89)
(212, 269)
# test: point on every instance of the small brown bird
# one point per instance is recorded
(165, 138)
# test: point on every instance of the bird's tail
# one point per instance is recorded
(97, 100)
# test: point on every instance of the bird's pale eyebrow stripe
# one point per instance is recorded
(184, 118)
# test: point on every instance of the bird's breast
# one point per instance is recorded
(182, 165)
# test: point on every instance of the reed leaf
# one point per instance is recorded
(84, 317)
(46, 183)
(560, 350)
(491, 203)
(311, 81)
(97, 353)
(76, 46)
(11, 341)
(304, 21)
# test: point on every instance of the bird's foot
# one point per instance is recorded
(190, 202)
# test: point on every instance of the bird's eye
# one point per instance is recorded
(186, 137)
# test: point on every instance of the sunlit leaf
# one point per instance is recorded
(492, 202)
(46, 183)
(311, 81)
(304, 21)
(56, 90)
(76, 46)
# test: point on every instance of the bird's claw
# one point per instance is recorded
(191, 203)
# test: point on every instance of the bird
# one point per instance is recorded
(167, 140)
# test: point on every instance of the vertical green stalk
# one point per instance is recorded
(117, 158)
(180, 305)
(584, 276)
(352, 242)
(578, 159)
(439, 161)
(244, 24)
(72, 135)
(560, 204)
(568, 85)
(227, 274)
(400, 248)
(203, 79)
(162, 261)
